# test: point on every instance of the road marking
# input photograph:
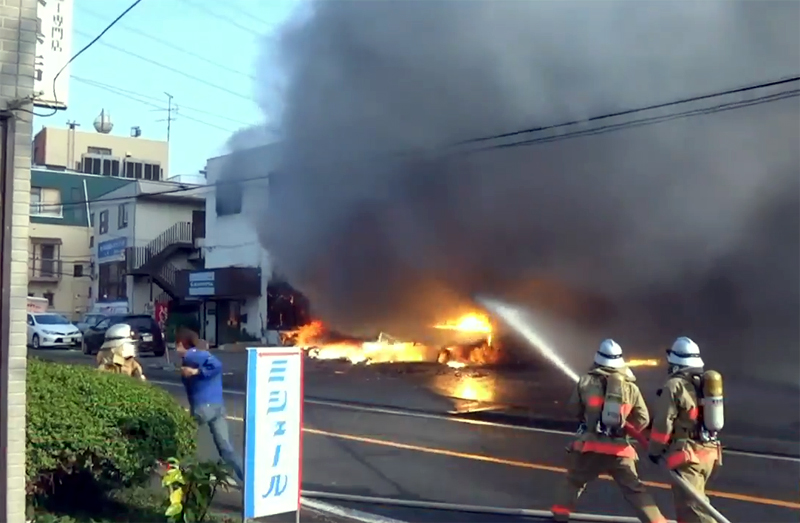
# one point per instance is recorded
(537, 466)
(524, 464)
(450, 418)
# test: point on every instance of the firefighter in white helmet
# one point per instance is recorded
(687, 417)
(118, 352)
(611, 410)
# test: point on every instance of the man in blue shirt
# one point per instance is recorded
(201, 373)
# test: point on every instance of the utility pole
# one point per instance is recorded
(71, 144)
(169, 113)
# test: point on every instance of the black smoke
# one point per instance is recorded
(685, 227)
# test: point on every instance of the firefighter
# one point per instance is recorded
(684, 433)
(118, 352)
(611, 410)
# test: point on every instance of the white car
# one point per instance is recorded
(52, 330)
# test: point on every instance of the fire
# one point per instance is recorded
(319, 343)
(644, 363)
(468, 323)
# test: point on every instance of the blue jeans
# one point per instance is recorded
(214, 417)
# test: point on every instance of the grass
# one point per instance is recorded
(140, 505)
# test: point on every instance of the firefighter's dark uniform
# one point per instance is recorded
(676, 436)
(594, 453)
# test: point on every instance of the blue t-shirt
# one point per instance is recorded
(205, 387)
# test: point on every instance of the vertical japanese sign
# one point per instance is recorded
(53, 51)
(273, 431)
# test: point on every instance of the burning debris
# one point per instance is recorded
(474, 345)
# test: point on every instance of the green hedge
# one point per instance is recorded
(90, 432)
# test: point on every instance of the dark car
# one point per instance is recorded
(147, 331)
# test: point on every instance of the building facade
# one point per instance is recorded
(101, 153)
(143, 234)
(60, 236)
(17, 64)
(231, 287)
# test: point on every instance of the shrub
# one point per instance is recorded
(89, 432)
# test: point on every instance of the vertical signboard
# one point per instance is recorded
(273, 431)
(53, 51)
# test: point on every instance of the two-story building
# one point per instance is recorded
(59, 252)
(143, 234)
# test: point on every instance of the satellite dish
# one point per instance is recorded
(102, 124)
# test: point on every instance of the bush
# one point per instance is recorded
(89, 432)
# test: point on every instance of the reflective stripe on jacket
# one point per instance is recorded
(586, 404)
(676, 424)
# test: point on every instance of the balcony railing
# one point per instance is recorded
(45, 269)
(137, 257)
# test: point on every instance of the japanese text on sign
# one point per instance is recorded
(273, 431)
(53, 48)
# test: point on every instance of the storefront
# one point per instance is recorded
(233, 306)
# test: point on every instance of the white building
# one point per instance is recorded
(143, 234)
(232, 286)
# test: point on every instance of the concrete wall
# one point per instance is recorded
(51, 147)
(71, 294)
(17, 51)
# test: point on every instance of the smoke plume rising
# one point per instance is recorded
(688, 227)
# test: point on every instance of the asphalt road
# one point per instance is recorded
(387, 455)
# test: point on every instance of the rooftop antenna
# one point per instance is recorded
(169, 113)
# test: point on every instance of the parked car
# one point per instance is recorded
(148, 333)
(89, 319)
(47, 329)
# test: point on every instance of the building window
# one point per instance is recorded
(122, 218)
(45, 260)
(99, 150)
(111, 281)
(229, 198)
(91, 220)
(49, 296)
(77, 270)
(103, 222)
(46, 202)
(91, 241)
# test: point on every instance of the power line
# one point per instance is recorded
(627, 112)
(584, 132)
(101, 85)
(217, 16)
(172, 46)
(124, 94)
(172, 69)
(76, 55)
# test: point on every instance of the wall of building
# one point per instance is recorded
(17, 52)
(52, 147)
(70, 294)
(232, 241)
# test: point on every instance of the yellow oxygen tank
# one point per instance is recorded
(612, 416)
(713, 409)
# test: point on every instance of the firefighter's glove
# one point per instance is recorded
(654, 458)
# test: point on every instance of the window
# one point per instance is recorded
(122, 218)
(77, 270)
(91, 219)
(103, 222)
(91, 241)
(45, 259)
(99, 150)
(111, 281)
(229, 199)
(46, 202)
(49, 296)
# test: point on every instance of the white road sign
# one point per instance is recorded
(273, 431)
(53, 51)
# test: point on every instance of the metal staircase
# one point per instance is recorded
(153, 259)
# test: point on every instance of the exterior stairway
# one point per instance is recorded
(153, 259)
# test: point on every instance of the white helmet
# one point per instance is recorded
(685, 353)
(609, 355)
(120, 340)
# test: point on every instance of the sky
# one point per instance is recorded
(184, 46)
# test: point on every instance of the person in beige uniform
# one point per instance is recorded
(118, 352)
(679, 436)
(611, 410)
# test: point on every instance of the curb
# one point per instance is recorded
(345, 513)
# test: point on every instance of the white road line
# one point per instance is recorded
(347, 513)
(451, 419)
